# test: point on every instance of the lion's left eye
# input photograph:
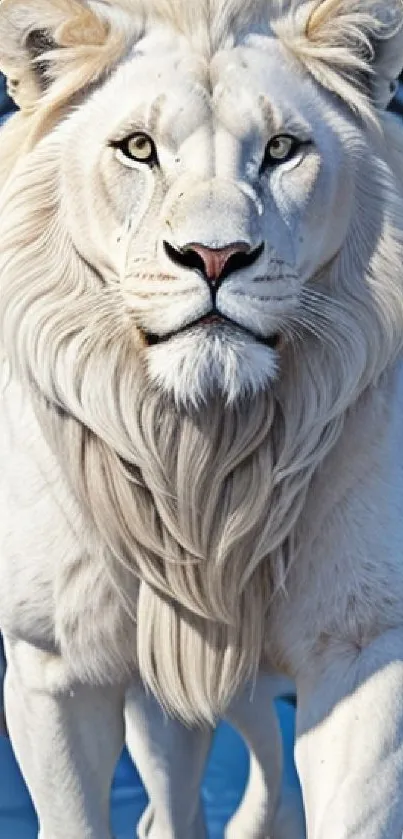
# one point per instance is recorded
(280, 149)
(139, 147)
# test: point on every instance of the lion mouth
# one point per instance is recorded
(213, 318)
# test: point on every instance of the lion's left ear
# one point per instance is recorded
(42, 40)
(360, 39)
(388, 63)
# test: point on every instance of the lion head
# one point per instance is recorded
(201, 247)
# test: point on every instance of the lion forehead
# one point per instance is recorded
(246, 88)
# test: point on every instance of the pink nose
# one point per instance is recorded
(214, 263)
(215, 260)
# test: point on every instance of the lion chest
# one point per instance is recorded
(55, 592)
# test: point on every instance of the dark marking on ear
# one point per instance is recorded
(38, 43)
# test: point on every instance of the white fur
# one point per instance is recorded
(201, 509)
(192, 371)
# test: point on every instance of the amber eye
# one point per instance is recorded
(139, 147)
(280, 149)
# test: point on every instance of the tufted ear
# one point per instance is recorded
(41, 40)
(365, 37)
(388, 64)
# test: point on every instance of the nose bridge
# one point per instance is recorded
(214, 213)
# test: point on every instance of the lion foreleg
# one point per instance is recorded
(350, 741)
(252, 713)
(67, 741)
(171, 760)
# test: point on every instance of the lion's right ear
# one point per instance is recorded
(35, 38)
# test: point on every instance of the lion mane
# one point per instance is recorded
(201, 506)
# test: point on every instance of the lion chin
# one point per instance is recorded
(212, 359)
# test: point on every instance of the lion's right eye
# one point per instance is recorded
(139, 147)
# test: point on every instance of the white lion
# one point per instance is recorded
(201, 228)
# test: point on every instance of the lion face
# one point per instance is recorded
(206, 195)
